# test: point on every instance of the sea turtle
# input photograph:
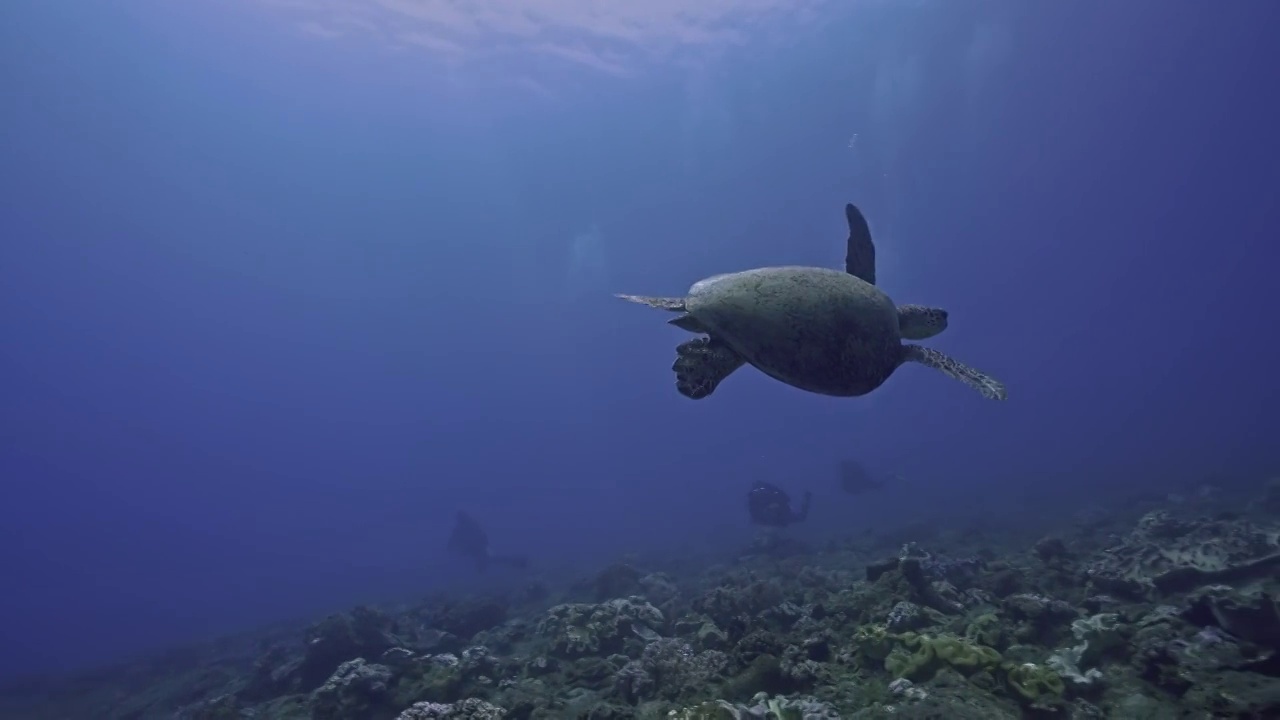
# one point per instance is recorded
(817, 329)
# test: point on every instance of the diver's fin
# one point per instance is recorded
(804, 508)
(701, 364)
(860, 252)
(687, 322)
(990, 388)
(662, 303)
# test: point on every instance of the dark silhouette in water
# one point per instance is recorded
(469, 540)
(770, 506)
(855, 480)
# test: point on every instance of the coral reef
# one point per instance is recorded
(1168, 615)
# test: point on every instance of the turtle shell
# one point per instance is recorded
(816, 329)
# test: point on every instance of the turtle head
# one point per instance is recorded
(917, 322)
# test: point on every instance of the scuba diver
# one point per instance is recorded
(470, 541)
(770, 506)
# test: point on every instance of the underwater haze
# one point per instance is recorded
(288, 283)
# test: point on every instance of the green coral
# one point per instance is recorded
(965, 655)
(914, 659)
(918, 657)
(985, 630)
(1038, 685)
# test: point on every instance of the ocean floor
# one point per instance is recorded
(1161, 609)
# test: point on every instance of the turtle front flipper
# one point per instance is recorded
(690, 323)
(860, 252)
(662, 303)
(701, 364)
(990, 388)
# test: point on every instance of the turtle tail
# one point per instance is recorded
(662, 303)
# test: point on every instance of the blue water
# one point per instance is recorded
(285, 285)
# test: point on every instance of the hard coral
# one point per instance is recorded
(469, 709)
(356, 689)
(763, 707)
(581, 629)
(1165, 555)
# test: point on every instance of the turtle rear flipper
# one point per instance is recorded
(990, 388)
(701, 364)
(662, 303)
